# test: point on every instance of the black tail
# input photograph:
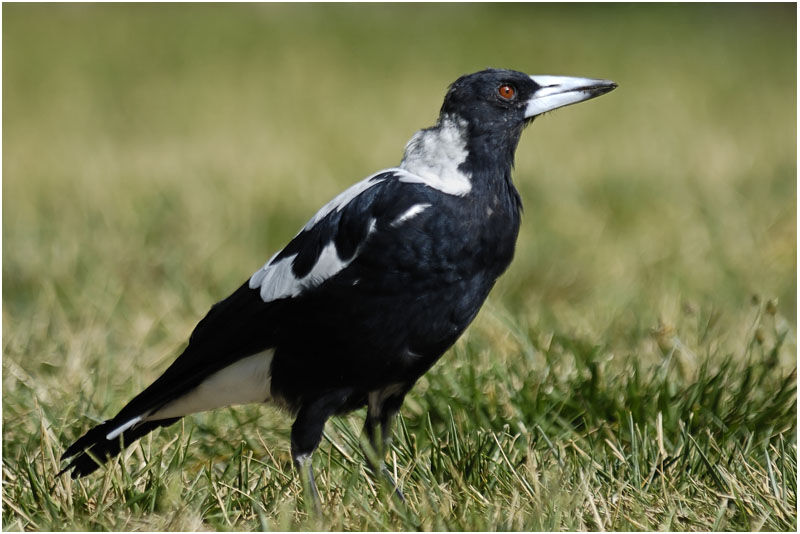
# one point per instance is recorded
(95, 449)
(233, 329)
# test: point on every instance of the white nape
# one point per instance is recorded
(433, 157)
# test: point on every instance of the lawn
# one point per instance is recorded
(635, 369)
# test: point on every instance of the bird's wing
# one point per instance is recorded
(245, 323)
(337, 235)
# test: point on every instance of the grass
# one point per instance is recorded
(634, 370)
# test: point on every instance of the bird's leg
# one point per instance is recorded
(378, 428)
(302, 462)
(306, 435)
(374, 455)
(386, 440)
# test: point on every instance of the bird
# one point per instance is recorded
(370, 293)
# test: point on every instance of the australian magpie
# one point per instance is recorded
(372, 290)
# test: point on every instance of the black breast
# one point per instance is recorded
(405, 299)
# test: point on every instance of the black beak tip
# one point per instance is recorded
(604, 88)
(610, 86)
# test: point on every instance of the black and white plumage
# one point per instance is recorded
(372, 290)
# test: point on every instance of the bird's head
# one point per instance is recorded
(499, 101)
(481, 122)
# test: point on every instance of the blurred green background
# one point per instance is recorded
(172, 148)
(154, 156)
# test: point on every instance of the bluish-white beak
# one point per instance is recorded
(559, 91)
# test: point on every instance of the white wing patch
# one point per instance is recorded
(343, 198)
(416, 209)
(328, 264)
(433, 157)
(243, 382)
(277, 280)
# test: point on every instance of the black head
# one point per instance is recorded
(494, 101)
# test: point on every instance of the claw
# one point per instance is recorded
(388, 476)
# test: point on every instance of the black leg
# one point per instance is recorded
(306, 435)
(381, 411)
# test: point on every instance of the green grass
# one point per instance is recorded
(635, 369)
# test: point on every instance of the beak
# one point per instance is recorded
(559, 91)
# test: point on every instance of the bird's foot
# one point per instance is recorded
(387, 476)
(311, 500)
(382, 472)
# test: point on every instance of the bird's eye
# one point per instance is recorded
(506, 91)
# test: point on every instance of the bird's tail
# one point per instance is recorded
(102, 443)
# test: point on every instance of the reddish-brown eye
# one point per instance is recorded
(506, 91)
